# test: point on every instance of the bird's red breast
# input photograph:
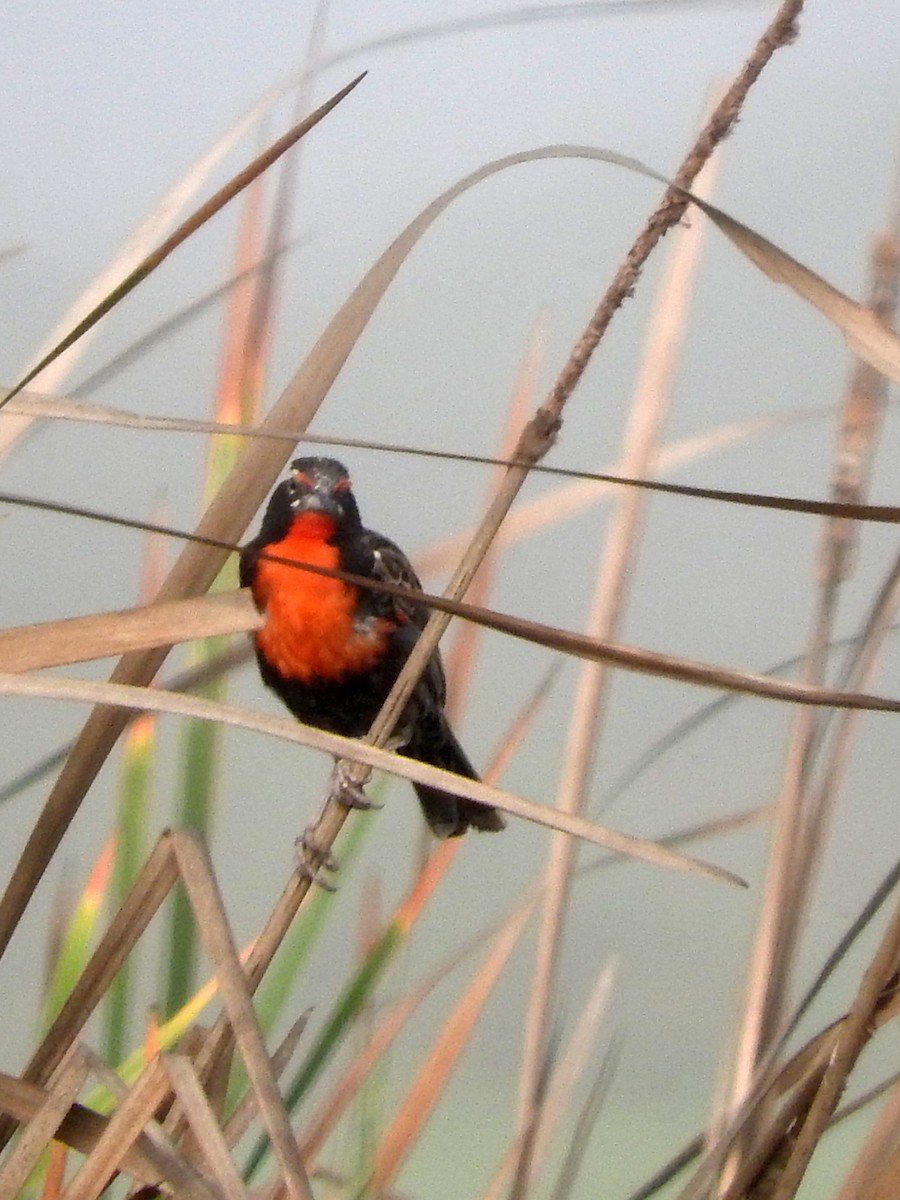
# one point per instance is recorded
(311, 631)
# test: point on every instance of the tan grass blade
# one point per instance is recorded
(565, 1074)
(159, 700)
(498, 19)
(797, 1085)
(130, 254)
(556, 1091)
(866, 335)
(572, 499)
(78, 639)
(67, 408)
(772, 1083)
(157, 334)
(116, 1086)
(431, 1078)
(149, 890)
(246, 1108)
(210, 1139)
(212, 925)
(649, 405)
(199, 218)
(853, 1034)
(80, 1129)
(460, 658)
(231, 384)
(804, 811)
(121, 1132)
(875, 1174)
(61, 1093)
(233, 612)
(583, 1125)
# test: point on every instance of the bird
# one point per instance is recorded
(331, 650)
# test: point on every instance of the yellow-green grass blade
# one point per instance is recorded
(131, 849)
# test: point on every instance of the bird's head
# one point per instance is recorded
(321, 485)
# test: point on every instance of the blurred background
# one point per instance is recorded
(109, 105)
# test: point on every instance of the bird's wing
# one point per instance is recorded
(390, 564)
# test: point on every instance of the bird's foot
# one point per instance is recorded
(347, 791)
(312, 859)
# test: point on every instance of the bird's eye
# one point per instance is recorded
(341, 485)
(301, 479)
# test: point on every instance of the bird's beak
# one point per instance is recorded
(319, 500)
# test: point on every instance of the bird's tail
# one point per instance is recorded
(449, 815)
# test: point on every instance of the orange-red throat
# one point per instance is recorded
(311, 630)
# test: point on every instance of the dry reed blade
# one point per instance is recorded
(584, 1126)
(883, 514)
(184, 681)
(206, 1130)
(246, 1108)
(875, 1174)
(43, 1126)
(443, 553)
(804, 811)
(796, 1084)
(773, 1083)
(460, 658)
(121, 1131)
(80, 1129)
(867, 336)
(235, 612)
(544, 512)
(569, 1067)
(558, 1080)
(232, 385)
(368, 756)
(131, 253)
(262, 311)
(78, 639)
(647, 412)
(158, 334)
(199, 881)
(204, 213)
(528, 13)
(150, 889)
(853, 1034)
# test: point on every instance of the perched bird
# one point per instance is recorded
(332, 651)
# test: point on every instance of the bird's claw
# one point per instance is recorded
(351, 795)
(348, 792)
(312, 859)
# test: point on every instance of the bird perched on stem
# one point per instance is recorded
(332, 651)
